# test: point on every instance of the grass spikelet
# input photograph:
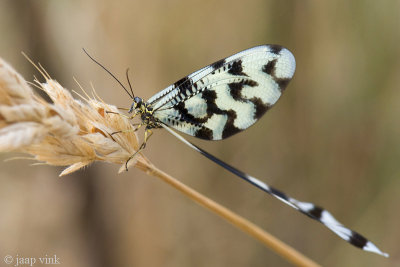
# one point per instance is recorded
(67, 132)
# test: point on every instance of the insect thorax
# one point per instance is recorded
(148, 119)
(145, 111)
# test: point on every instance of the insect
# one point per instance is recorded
(223, 99)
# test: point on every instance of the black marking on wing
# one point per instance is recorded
(237, 69)
(210, 96)
(316, 212)
(282, 82)
(181, 81)
(184, 85)
(269, 69)
(229, 128)
(171, 121)
(261, 107)
(358, 240)
(187, 117)
(275, 49)
(250, 83)
(236, 93)
(236, 89)
(218, 64)
(204, 133)
(277, 193)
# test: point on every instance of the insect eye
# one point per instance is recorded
(137, 100)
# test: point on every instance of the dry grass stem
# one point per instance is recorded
(243, 224)
(75, 133)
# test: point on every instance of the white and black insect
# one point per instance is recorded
(225, 98)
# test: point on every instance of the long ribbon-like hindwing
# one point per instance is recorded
(309, 209)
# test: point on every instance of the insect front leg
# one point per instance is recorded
(123, 115)
(147, 135)
(129, 130)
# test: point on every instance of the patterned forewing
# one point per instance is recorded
(227, 96)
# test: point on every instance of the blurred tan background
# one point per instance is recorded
(333, 138)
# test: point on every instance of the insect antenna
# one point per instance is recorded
(109, 72)
(129, 82)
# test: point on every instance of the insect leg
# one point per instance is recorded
(129, 130)
(123, 115)
(147, 135)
